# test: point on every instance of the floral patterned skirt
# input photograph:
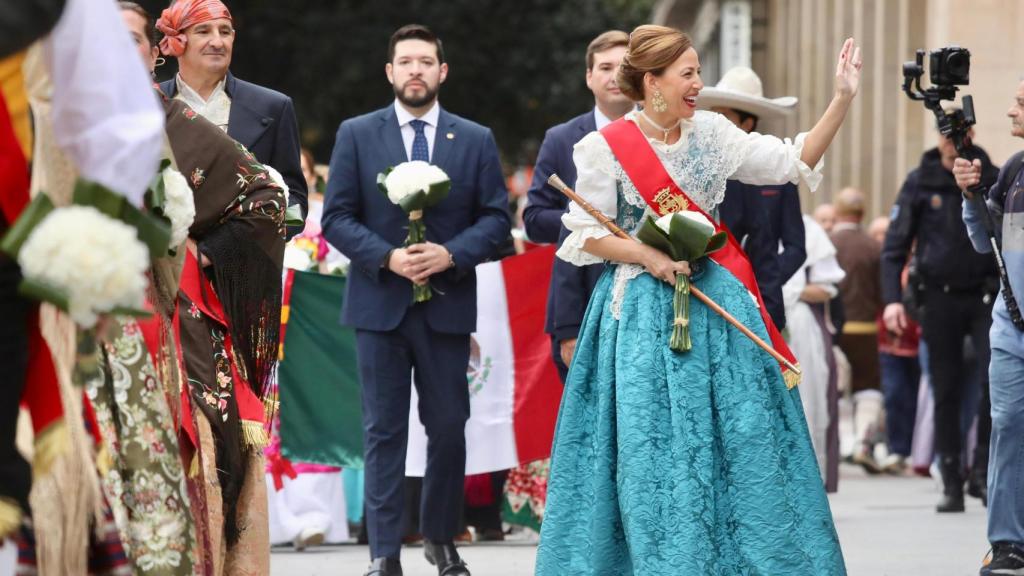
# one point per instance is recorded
(681, 463)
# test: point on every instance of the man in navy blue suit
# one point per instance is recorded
(202, 36)
(397, 340)
(761, 217)
(571, 285)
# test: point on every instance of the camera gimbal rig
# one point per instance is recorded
(950, 67)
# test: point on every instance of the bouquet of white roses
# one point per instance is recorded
(685, 235)
(415, 186)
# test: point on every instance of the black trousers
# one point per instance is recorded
(389, 362)
(15, 473)
(947, 319)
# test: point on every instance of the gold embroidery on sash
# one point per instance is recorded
(669, 203)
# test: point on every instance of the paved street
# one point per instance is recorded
(887, 527)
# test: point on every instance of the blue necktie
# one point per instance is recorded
(420, 151)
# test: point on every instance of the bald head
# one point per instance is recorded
(825, 216)
(877, 229)
(850, 205)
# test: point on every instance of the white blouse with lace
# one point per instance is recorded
(710, 151)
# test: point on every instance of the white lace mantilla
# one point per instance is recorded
(710, 151)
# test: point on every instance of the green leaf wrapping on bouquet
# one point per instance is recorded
(689, 240)
(156, 195)
(438, 191)
(153, 231)
(36, 211)
(293, 216)
(45, 292)
(380, 180)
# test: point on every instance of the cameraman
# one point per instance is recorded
(955, 287)
(1005, 201)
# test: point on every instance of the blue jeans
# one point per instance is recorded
(900, 378)
(1006, 462)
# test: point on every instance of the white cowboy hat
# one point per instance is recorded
(740, 88)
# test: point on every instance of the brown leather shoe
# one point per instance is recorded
(446, 558)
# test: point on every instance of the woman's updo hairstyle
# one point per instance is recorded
(651, 49)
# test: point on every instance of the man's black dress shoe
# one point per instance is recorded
(384, 567)
(446, 558)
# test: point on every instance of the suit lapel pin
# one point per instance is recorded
(450, 135)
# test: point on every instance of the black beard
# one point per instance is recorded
(429, 94)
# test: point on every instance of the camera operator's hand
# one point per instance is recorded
(848, 70)
(967, 174)
(895, 318)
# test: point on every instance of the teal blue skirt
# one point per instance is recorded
(695, 463)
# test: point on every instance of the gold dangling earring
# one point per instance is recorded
(658, 103)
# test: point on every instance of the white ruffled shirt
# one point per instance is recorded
(710, 151)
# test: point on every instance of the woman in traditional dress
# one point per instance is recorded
(693, 462)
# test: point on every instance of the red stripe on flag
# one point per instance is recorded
(538, 390)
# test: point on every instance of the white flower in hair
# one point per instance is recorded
(180, 205)
(98, 262)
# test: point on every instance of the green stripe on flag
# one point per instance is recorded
(321, 411)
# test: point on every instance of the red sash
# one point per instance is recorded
(664, 196)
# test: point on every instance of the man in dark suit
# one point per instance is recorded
(201, 35)
(763, 218)
(571, 285)
(396, 339)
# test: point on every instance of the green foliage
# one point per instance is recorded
(516, 67)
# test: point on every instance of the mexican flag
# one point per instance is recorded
(513, 385)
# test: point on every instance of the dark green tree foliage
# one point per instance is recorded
(517, 67)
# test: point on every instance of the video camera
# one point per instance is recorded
(949, 67)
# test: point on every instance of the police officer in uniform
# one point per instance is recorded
(955, 286)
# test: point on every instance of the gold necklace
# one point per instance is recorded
(664, 131)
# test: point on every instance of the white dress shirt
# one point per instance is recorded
(600, 119)
(216, 108)
(408, 134)
(106, 115)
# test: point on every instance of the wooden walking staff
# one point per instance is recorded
(557, 183)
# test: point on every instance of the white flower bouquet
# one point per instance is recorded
(170, 197)
(89, 258)
(415, 186)
(685, 235)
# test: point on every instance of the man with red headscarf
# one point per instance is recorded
(201, 35)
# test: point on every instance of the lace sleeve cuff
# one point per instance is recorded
(572, 248)
(811, 176)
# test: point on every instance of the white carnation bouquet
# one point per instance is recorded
(89, 258)
(179, 206)
(88, 261)
(686, 235)
(415, 186)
